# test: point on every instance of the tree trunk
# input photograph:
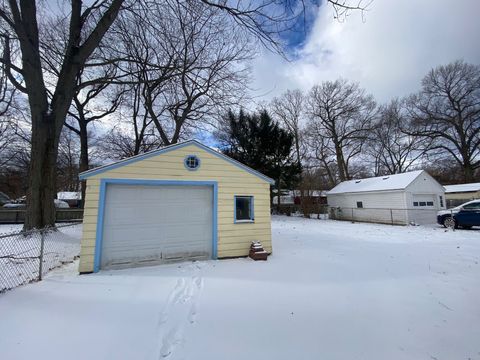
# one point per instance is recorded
(42, 175)
(84, 160)
(278, 196)
(468, 173)
(299, 163)
(340, 163)
(297, 148)
(331, 177)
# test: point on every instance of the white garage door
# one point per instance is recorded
(423, 200)
(423, 210)
(146, 225)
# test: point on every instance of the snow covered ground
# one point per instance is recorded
(331, 290)
(10, 228)
(19, 253)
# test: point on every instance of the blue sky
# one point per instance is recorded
(296, 36)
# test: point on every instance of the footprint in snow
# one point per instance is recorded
(179, 290)
(172, 299)
(199, 282)
(169, 342)
(176, 314)
(192, 315)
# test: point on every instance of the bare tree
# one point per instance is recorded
(343, 113)
(447, 112)
(7, 148)
(134, 132)
(8, 125)
(90, 104)
(191, 58)
(123, 143)
(94, 99)
(15, 146)
(93, 96)
(321, 156)
(393, 150)
(48, 108)
(67, 161)
(208, 72)
(7, 97)
(289, 110)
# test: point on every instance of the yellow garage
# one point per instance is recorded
(182, 202)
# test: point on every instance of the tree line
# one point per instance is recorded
(342, 133)
(336, 131)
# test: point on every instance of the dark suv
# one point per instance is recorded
(465, 215)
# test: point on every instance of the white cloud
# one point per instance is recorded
(388, 53)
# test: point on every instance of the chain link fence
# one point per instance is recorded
(391, 216)
(26, 256)
(304, 209)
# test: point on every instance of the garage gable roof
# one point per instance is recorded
(86, 174)
(472, 187)
(379, 183)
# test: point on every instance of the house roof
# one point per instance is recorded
(86, 174)
(379, 183)
(472, 187)
(69, 195)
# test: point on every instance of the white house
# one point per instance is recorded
(458, 194)
(72, 198)
(412, 197)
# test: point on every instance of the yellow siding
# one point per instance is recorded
(463, 196)
(233, 239)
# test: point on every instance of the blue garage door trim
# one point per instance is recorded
(101, 208)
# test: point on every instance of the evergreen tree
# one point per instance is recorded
(259, 142)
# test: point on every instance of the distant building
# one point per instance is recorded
(412, 197)
(458, 194)
(72, 198)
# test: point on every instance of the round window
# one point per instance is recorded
(192, 162)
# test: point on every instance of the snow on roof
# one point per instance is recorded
(69, 195)
(379, 183)
(472, 187)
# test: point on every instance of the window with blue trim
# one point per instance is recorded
(243, 208)
(192, 162)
